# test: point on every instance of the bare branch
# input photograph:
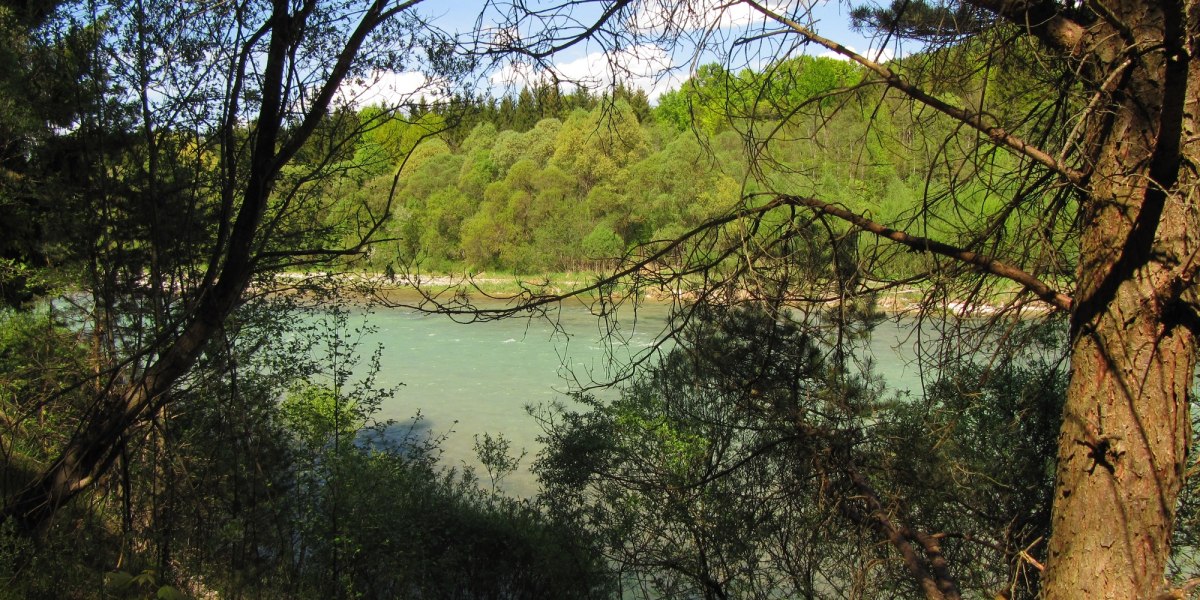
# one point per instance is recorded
(976, 121)
(589, 33)
(986, 263)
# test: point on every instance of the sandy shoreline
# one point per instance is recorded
(898, 301)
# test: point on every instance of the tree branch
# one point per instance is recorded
(984, 262)
(375, 15)
(524, 49)
(931, 573)
(976, 121)
(1042, 18)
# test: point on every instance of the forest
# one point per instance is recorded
(545, 181)
(197, 204)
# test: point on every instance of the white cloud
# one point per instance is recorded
(516, 74)
(704, 15)
(646, 67)
(879, 55)
(388, 88)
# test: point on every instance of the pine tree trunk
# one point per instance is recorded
(1122, 449)
(1126, 427)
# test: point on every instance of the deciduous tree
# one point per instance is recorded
(210, 176)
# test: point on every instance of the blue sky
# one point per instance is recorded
(653, 66)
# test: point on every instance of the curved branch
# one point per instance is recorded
(534, 301)
(593, 29)
(980, 261)
(998, 135)
(927, 567)
(984, 262)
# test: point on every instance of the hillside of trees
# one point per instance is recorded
(312, 497)
(185, 410)
(545, 181)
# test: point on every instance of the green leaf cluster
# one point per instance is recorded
(590, 179)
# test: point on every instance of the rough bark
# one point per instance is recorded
(1126, 425)
(1134, 321)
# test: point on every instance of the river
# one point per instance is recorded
(468, 379)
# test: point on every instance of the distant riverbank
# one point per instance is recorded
(898, 301)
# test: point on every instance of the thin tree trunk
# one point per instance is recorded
(89, 454)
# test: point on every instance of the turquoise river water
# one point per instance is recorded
(468, 379)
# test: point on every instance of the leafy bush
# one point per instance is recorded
(750, 464)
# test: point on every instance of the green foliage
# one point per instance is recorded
(42, 363)
(541, 180)
(21, 283)
(716, 100)
(414, 531)
(317, 415)
(48, 80)
(377, 518)
(275, 479)
(684, 476)
(143, 586)
(976, 454)
(920, 20)
(603, 242)
(595, 146)
(735, 467)
(390, 139)
(494, 455)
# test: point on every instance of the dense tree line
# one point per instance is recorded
(1036, 153)
(548, 182)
